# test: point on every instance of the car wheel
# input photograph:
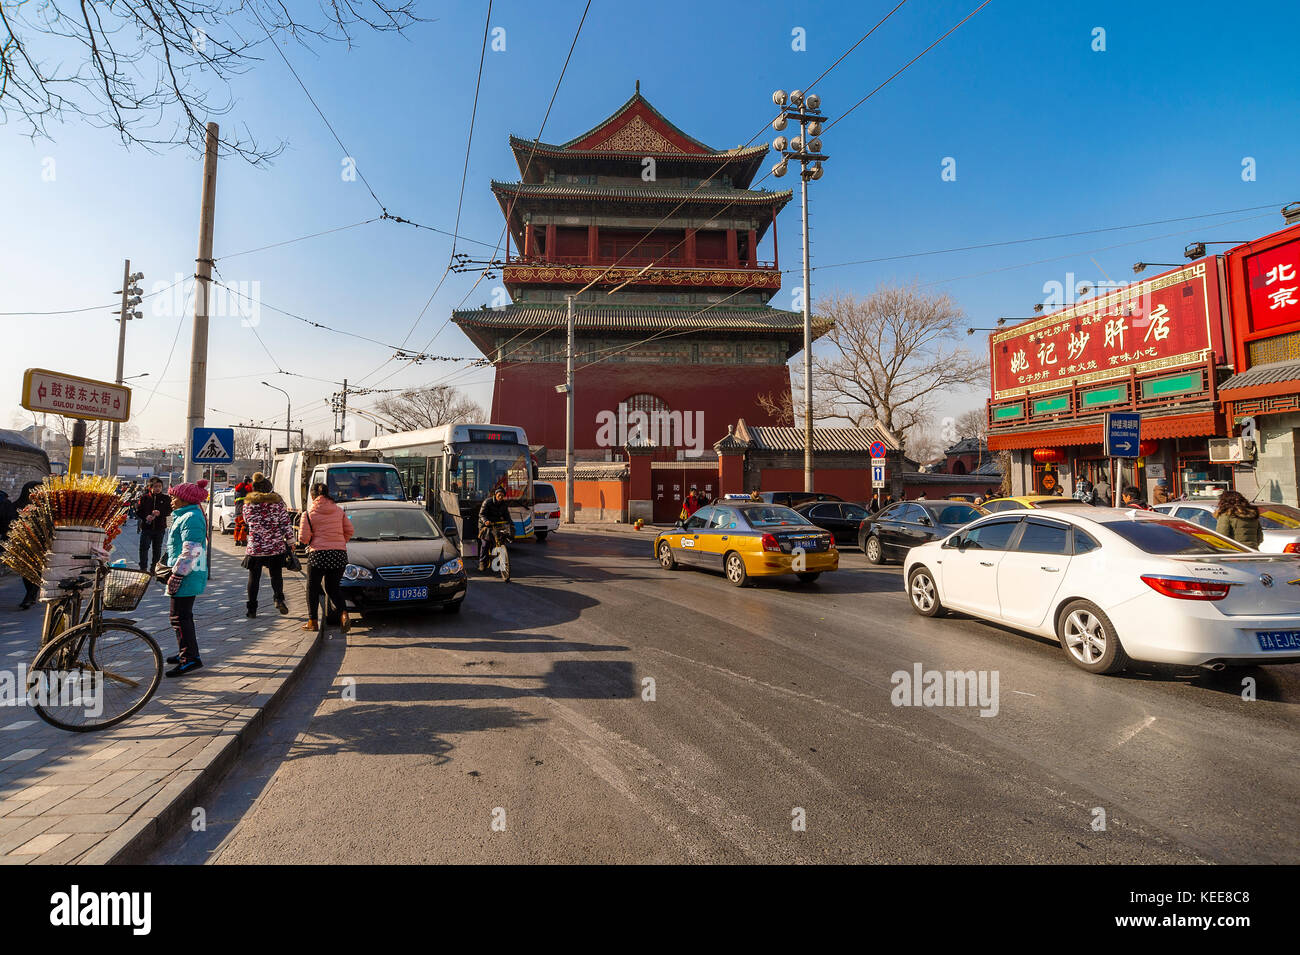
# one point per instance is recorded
(1088, 638)
(923, 592)
(735, 567)
(541, 536)
(808, 577)
(874, 551)
(666, 559)
(221, 525)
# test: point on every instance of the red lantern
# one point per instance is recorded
(1049, 455)
(1148, 447)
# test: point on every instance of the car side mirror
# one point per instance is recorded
(926, 522)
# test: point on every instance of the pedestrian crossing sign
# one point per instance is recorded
(212, 446)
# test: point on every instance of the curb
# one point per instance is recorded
(161, 815)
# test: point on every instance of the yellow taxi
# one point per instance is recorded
(995, 504)
(748, 539)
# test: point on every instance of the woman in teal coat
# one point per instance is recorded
(187, 541)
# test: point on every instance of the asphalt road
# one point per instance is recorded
(519, 731)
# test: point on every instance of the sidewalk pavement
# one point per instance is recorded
(109, 796)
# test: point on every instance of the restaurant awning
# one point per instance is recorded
(1166, 426)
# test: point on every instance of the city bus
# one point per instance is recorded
(452, 468)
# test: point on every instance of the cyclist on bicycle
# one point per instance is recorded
(493, 511)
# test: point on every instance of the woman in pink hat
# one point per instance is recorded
(187, 541)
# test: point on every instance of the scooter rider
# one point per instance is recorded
(493, 511)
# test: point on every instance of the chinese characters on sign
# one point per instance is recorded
(1273, 277)
(1157, 323)
(75, 397)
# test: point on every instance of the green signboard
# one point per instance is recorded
(1009, 412)
(1052, 405)
(1104, 396)
(1173, 385)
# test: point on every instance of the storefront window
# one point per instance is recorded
(1199, 478)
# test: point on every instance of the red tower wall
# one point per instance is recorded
(524, 395)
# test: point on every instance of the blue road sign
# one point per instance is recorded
(1123, 434)
(213, 446)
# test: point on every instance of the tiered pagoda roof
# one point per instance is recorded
(634, 131)
(481, 324)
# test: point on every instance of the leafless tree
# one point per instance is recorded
(972, 424)
(429, 408)
(318, 442)
(156, 71)
(891, 351)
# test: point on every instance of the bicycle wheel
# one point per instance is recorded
(504, 555)
(88, 680)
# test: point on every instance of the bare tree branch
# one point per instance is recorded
(429, 408)
(157, 71)
(892, 351)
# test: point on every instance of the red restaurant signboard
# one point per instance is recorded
(1166, 321)
(1273, 281)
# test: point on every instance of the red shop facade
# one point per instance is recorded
(1158, 346)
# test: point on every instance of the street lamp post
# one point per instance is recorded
(805, 149)
(288, 415)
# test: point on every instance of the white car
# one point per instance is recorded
(1279, 523)
(223, 512)
(1114, 585)
(546, 509)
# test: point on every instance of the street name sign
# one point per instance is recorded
(213, 446)
(1123, 434)
(75, 397)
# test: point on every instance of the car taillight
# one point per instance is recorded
(1187, 589)
(830, 543)
(771, 543)
(1291, 549)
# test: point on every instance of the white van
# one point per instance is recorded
(546, 509)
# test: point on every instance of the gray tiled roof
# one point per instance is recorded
(1270, 374)
(775, 438)
(587, 471)
(638, 317)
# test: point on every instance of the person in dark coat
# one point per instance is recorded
(1132, 497)
(1239, 519)
(152, 513)
(30, 590)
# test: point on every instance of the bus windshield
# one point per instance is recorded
(480, 468)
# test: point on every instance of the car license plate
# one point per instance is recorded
(1282, 640)
(408, 593)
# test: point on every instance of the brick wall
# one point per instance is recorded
(19, 467)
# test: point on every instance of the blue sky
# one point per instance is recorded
(1048, 135)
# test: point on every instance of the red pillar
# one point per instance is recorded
(690, 248)
(550, 243)
(732, 256)
(753, 248)
(593, 243)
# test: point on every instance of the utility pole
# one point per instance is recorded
(202, 290)
(343, 415)
(568, 432)
(123, 316)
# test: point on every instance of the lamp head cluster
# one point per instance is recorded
(806, 148)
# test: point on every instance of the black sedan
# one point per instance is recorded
(842, 518)
(891, 533)
(795, 498)
(399, 559)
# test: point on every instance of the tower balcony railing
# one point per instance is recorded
(639, 261)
